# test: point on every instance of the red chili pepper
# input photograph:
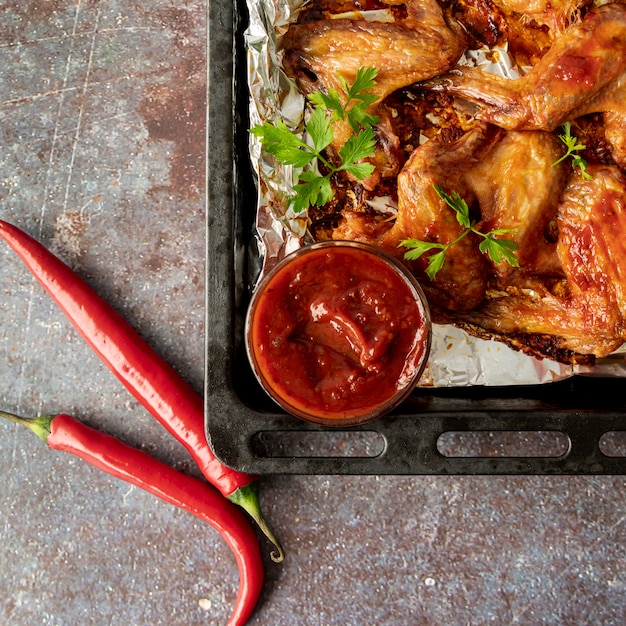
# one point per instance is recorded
(151, 380)
(62, 432)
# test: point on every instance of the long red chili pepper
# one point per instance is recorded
(62, 432)
(151, 380)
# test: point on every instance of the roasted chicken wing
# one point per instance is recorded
(508, 179)
(405, 41)
(584, 311)
(423, 215)
(518, 190)
(526, 27)
(583, 72)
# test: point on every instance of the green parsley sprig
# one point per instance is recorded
(356, 96)
(498, 250)
(572, 145)
(314, 188)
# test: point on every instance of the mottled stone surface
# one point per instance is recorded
(101, 157)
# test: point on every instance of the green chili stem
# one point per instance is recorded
(247, 497)
(39, 425)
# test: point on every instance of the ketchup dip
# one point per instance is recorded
(338, 333)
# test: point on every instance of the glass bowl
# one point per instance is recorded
(338, 333)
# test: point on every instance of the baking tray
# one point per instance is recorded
(575, 426)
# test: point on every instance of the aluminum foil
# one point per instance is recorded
(456, 359)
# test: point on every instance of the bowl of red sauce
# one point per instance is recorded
(338, 333)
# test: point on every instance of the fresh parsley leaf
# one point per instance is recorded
(365, 79)
(498, 250)
(280, 142)
(417, 247)
(357, 115)
(435, 263)
(359, 170)
(328, 102)
(311, 190)
(458, 204)
(354, 108)
(572, 145)
(356, 148)
(319, 128)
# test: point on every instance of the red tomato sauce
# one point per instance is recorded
(337, 333)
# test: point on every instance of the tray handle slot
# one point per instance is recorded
(318, 444)
(613, 443)
(503, 443)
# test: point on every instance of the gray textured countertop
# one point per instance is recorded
(102, 155)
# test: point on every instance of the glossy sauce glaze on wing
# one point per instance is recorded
(581, 311)
(581, 73)
(423, 215)
(495, 141)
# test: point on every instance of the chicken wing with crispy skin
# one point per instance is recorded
(592, 234)
(423, 215)
(412, 42)
(518, 190)
(583, 72)
(555, 14)
(508, 178)
(527, 27)
(584, 312)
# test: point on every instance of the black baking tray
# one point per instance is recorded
(576, 426)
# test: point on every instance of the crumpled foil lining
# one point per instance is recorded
(456, 358)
